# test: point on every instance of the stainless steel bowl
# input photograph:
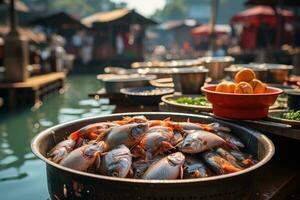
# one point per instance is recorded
(116, 83)
(189, 80)
(66, 183)
(278, 73)
(216, 66)
(261, 71)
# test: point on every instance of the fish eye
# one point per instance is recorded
(115, 174)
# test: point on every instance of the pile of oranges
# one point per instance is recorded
(245, 83)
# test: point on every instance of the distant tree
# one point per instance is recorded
(173, 10)
(82, 8)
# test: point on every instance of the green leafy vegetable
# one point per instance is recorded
(201, 101)
(292, 115)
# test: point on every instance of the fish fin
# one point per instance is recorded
(154, 123)
(97, 162)
(181, 173)
(196, 174)
(130, 173)
(167, 119)
(74, 136)
(248, 162)
(138, 151)
(103, 134)
(166, 146)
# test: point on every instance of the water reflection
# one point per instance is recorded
(19, 169)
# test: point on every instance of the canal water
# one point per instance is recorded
(22, 175)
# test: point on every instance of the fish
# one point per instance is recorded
(218, 164)
(141, 165)
(117, 162)
(92, 131)
(85, 157)
(245, 159)
(167, 168)
(130, 120)
(195, 168)
(197, 141)
(156, 140)
(218, 127)
(230, 158)
(61, 150)
(129, 135)
(231, 140)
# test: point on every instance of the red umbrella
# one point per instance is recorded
(204, 30)
(257, 15)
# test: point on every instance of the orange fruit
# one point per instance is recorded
(258, 86)
(243, 88)
(231, 87)
(227, 87)
(245, 75)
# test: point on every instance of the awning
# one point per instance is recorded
(261, 15)
(274, 2)
(120, 16)
(204, 30)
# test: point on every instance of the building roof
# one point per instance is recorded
(117, 16)
(59, 20)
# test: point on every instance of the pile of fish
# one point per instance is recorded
(136, 147)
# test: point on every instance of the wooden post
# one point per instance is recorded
(16, 51)
(212, 23)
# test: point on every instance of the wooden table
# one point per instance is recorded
(31, 91)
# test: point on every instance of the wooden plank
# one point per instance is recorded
(35, 82)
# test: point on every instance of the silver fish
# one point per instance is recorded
(141, 165)
(218, 127)
(129, 135)
(117, 162)
(218, 164)
(197, 141)
(230, 139)
(85, 157)
(230, 158)
(61, 150)
(169, 167)
(194, 168)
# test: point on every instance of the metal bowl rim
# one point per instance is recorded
(35, 141)
(163, 91)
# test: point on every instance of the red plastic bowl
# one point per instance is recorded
(241, 106)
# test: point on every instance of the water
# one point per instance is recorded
(22, 175)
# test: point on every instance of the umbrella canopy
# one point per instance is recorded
(59, 20)
(120, 16)
(258, 15)
(204, 30)
(274, 2)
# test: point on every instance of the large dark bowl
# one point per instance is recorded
(65, 183)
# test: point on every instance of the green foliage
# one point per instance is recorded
(81, 8)
(173, 10)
